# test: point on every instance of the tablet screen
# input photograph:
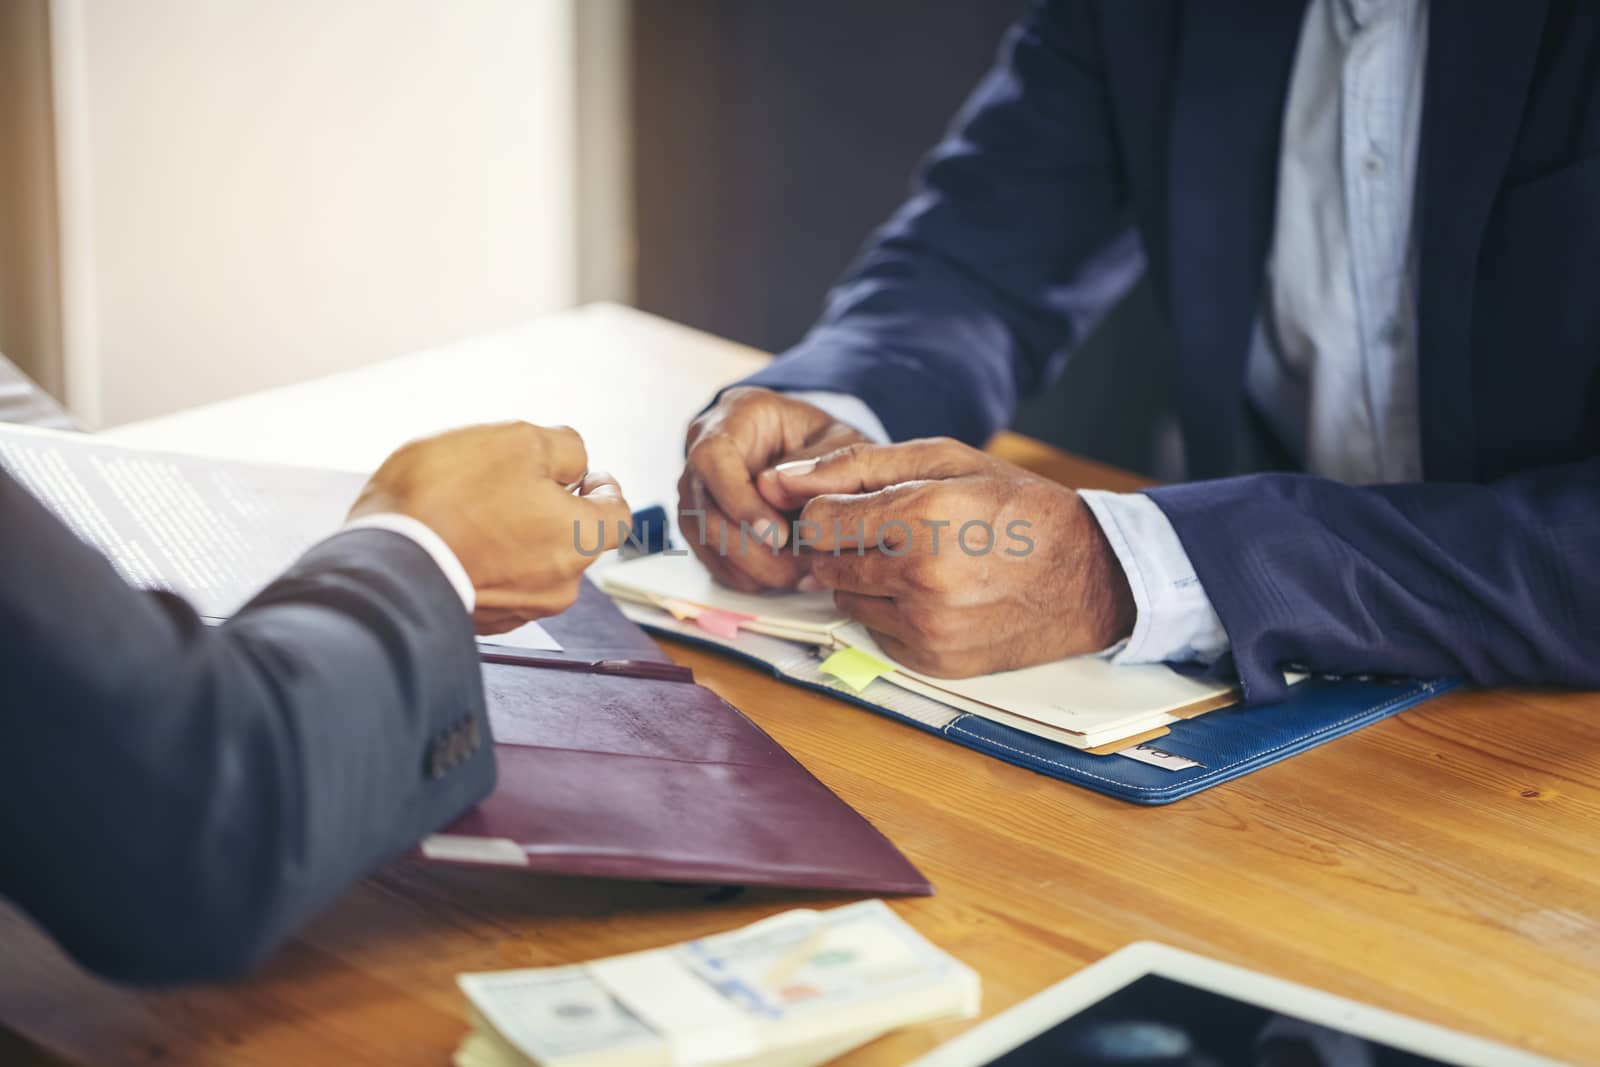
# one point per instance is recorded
(1160, 1022)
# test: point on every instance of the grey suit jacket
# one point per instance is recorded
(175, 799)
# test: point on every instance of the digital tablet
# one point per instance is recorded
(1152, 1005)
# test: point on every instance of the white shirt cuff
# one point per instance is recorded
(1176, 622)
(848, 409)
(423, 536)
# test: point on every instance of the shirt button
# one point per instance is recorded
(1372, 165)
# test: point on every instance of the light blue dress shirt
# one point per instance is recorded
(1332, 368)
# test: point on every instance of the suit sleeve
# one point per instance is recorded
(176, 798)
(1018, 238)
(1497, 583)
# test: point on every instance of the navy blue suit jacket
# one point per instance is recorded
(1125, 137)
(175, 798)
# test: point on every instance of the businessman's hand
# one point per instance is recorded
(497, 496)
(957, 562)
(728, 480)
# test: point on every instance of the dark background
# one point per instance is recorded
(771, 136)
(1219, 1030)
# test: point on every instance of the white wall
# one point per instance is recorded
(255, 192)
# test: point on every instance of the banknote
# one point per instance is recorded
(799, 988)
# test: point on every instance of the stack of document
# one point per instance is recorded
(1085, 702)
(797, 989)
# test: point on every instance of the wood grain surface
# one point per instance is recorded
(1444, 863)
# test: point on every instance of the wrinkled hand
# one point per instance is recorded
(497, 496)
(727, 480)
(957, 562)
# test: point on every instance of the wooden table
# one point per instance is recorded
(1443, 863)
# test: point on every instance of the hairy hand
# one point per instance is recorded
(726, 496)
(498, 495)
(958, 563)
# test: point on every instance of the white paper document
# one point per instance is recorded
(529, 637)
(213, 531)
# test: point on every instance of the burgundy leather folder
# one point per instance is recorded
(614, 763)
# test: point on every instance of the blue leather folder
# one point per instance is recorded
(1227, 742)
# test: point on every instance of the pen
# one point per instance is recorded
(619, 668)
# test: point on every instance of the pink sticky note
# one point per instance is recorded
(722, 623)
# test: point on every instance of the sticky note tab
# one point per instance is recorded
(854, 668)
(1157, 758)
(680, 609)
(460, 848)
(722, 623)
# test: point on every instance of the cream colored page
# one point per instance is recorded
(1110, 730)
(1085, 694)
(684, 578)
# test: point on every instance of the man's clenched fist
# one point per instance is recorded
(500, 496)
(728, 481)
(957, 562)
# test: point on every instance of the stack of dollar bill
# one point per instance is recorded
(799, 988)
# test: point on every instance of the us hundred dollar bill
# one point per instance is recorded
(798, 988)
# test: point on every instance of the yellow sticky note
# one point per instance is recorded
(681, 610)
(854, 667)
